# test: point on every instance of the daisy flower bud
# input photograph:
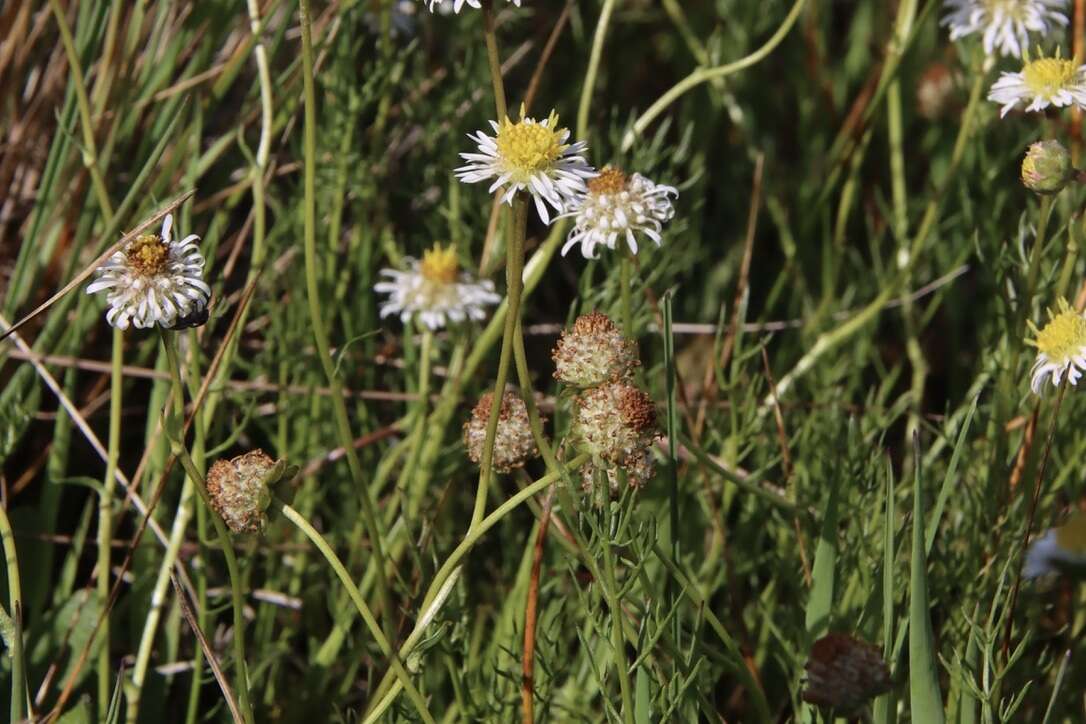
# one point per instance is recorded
(615, 206)
(513, 441)
(240, 489)
(154, 280)
(1057, 549)
(1042, 83)
(1046, 169)
(1061, 347)
(845, 673)
(593, 351)
(435, 290)
(615, 422)
(530, 156)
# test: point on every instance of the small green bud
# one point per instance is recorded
(1046, 169)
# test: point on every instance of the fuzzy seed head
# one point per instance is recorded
(593, 351)
(513, 442)
(238, 489)
(845, 673)
(615, 422)
(1046, 168)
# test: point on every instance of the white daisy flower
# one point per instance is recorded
(435, 290)
(1004, 24)
(1061, 347)
(444, 5)
(153, 280)
(615, 205)
(531, 156)
(1059, 547)
(1041, 83)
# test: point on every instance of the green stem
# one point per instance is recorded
(15, 603)
(593, 68)
(514, 264)
(626, 279)
(618, 640)
(360, 603)
(494, 60)
(197, 478)
(105, 516)
(339, 406)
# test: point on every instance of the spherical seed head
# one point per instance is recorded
(593, 351)
(615, 421)
(238, 489)
(845, 673)
(1046, 169)
(513, 441)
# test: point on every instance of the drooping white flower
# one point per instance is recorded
(1004, 24)
(1061, 348)
(444, 5)
(1041, 83)
(615, 206)
(435, 290)
(530, 156)
(153, 280)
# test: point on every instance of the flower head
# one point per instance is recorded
(615, 206)
(239, 489)
(1057, 548)
(1061, 347)
(844, 673)
(436, 290)
(153, 280)
(615, 422)
(530, 156)
(593, 351)
(513, 441)
(1042, 83)
(1046, 169)
(1004, 24)
(444, 5)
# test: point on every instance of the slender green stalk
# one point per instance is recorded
(360, 603)
(15, 605)
(197, 478)
(316, 319)
(494, 60)
(618, 640)
(593, 68)
(514, 263)
(105, 516)
(626, 280)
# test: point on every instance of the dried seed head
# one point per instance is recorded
(593, 351)
(513, 442)
(238, 489)
(1047, 168)
(638, 468)
(615, 422)
(845, 673)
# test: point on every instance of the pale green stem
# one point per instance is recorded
(626, 279)
(90, 148)
(339, 406)
(105, 516)
(263, 149)
(514, 263)
(197, 478)
(494, 60)
(419, 432)
(360, 603)
(15, 604)
(618, 640)
(593, 68)
(527, 393)
(451, 565)
(703, 75)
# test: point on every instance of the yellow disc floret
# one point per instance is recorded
(1071, 537)
(440, 264)
(1064, 337)
(1047, 76)
(610, 181)
(527, 147)
(147, 255)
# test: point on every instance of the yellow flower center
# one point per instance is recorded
(147, 255)
(530, 147)
(1071, 536)
(610, 181)
(440, 264)
(1047, 76)
(1063, 337)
